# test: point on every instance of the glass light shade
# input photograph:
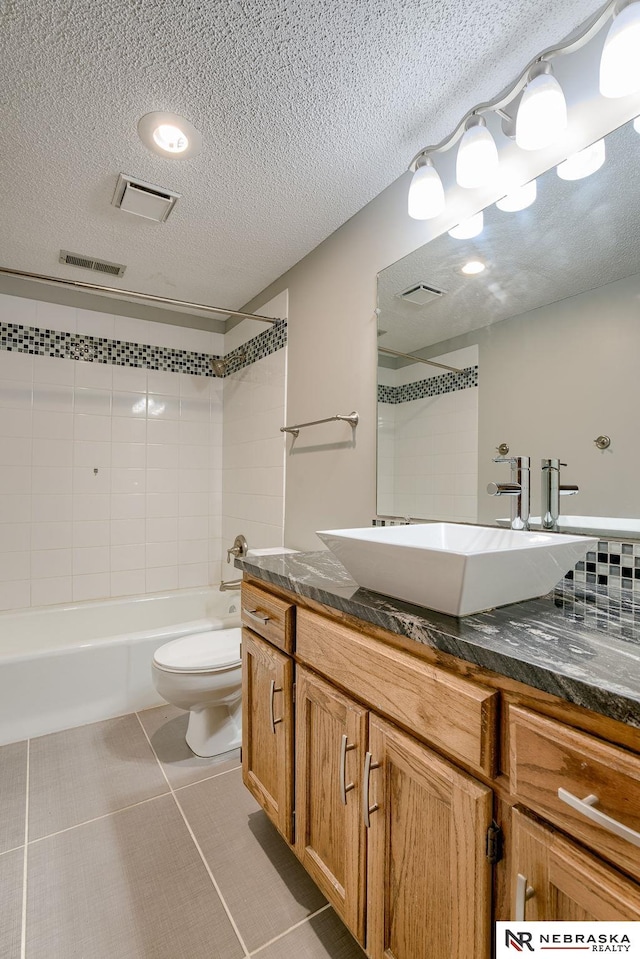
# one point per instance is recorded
(477, 158)
(472, 268)
(170, 138)
(636, 124)
(584, 163)
(620, 61)
(426, 193)
(468, 228)
(519, 199)
(542, 114)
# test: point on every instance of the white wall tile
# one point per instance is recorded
(51, 536)
(193, 551)
(163, 432)
(14, 566)
(91, 429)
(128, 430)
(54, 316)
(128, 481)
(49, 592)
(14, 507)
(91, 586)
(91, 506)
(128, 455)
(92, 533)
(163, 382)
(51, 397)
(15, 451)
(16, 366)
(87, 480)
(162, 530)
(15, 537)
(52, 425)
(15, 479)
(125, 532)
(92, 559)
(98, 376)
(94, 323)
(16, 422)
(162, 554)
(50, 369)
(162, 481)
(89, 400)
(15, 395)
(128, 505)
(194, 527)
(48, 563)
(162, 504)
(129, 379)
(162, 578)
(91, 454)
(52, 452)
(161, 456)
(15, 594)
(190, 576)
(132, 556)
(128, 582)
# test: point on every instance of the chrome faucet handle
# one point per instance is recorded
(240, 547)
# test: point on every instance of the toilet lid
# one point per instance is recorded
(215, 649)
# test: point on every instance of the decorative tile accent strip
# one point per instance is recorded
(434, 386)
(93, 349)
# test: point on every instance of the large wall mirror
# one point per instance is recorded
(540, 351)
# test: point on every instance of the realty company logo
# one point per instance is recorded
(622, 938)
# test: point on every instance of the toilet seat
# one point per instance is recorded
(209, 652)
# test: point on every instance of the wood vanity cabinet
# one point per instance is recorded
(553, 878)
(267, 729)
(402, 757)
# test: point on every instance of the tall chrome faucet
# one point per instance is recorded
(519, 489)
(552, 490)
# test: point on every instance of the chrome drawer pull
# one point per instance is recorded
(585, 807)
(273, 689)
(366, 808)
(344, 786)
(254, 615)
(524, 892)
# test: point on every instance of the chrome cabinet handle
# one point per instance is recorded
(366, 808)
(524, 892)
(252, 614)
(272, 691)
(345, 787)
(585, 807)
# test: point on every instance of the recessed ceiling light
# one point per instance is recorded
(169, 135)
(472, 268)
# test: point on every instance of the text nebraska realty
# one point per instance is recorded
(600, 942)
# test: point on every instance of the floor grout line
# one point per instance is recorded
(13, 849)
(291, 928)
(215, 776)
(23, 932)
(87, 822)
(197, 845)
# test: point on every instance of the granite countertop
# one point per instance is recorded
(575, 643)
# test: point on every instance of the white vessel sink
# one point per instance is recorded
(454, 568)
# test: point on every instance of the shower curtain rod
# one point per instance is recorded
(419, 359)
(149, 297)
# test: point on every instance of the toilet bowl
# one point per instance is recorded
(202, 673)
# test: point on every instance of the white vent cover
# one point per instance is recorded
(91, 263)
(144, 199)
(420, 294)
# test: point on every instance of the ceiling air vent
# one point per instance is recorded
(420, 294)
(144, 199)
(90, 263)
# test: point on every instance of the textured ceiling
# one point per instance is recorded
(577, 236)
(307, 109)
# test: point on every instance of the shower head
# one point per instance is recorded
(220, 365)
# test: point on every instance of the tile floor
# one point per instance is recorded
(117, 843)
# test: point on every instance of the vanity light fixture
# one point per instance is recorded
(469, 228)
(584, 163)
(636, 124)
(472, 268)
(519, 199)
(426, 193)
(477, 158)
(169, 135)
(620, 63)
(542, 114)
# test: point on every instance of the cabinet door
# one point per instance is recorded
(554, 879)
(429, 882)
(267, 729)
(331, 733)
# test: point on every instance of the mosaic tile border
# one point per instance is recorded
(434, 386)
(94, 349)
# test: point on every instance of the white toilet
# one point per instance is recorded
(202, 673)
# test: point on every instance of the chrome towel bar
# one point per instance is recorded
(351, 418)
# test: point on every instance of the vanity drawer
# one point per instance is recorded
(547, 756)
(456, 715)
(269, 616)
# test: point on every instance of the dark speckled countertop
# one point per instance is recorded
(561, 643)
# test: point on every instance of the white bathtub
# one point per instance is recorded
(63, 666)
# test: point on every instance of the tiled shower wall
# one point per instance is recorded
(110, 475)
(428, 440)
